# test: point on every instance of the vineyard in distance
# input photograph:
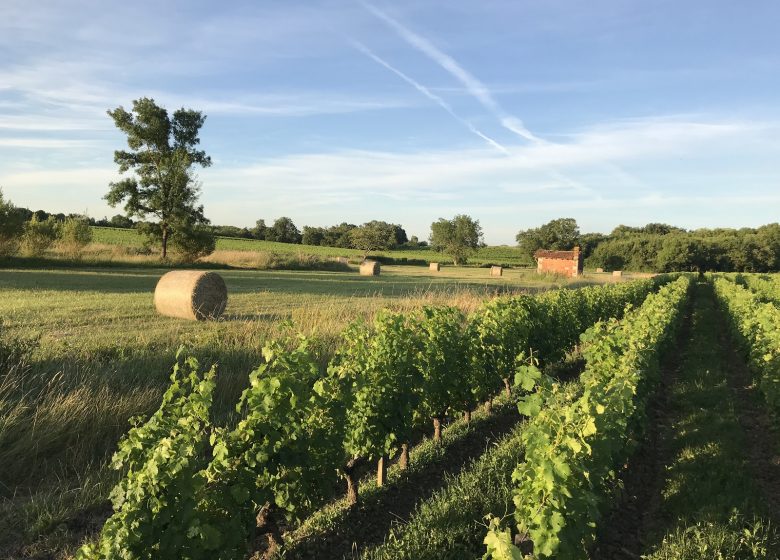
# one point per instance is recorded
(633, 419)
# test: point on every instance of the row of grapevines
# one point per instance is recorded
(756, 326)
(766, 287)
(194, 490)
(575, 445)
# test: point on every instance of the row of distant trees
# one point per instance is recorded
(661, 247)
(32, 233)
(458, 237)
(375, 235)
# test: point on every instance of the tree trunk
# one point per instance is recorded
(507, 387)
(437, 429)
(267, 527)
(350, 473)
(381, 471)
(467, 416)
(164, 241)
(403, 461)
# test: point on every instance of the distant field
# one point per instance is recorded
(509, 256)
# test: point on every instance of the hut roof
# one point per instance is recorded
(565, 255)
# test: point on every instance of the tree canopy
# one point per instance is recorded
(284, 231)
(561, 234)
(162, 151)
(377, 236)
(458, 237)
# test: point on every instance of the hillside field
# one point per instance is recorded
(500, 255)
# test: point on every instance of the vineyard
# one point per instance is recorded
(533, 426)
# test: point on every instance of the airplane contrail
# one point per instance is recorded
(476, 88)
(430, 95)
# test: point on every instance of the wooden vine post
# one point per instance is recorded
(403, 460)
(381, 471)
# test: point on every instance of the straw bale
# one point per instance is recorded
(435, 267)
(599, 270)
(369, 268)
(617, 273)
(496, 271)
(191, 294)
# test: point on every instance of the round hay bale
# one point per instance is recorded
(496, 271)
(191, 294)
(369, 268)
(617, 273)
(435, 267)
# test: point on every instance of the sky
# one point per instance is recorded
(515, 112)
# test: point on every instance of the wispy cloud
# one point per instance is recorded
(429, 94)
(44, 143)
(475, 87)
(628, 142)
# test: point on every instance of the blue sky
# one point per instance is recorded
(515, 112)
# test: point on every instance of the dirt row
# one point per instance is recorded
(673, 480)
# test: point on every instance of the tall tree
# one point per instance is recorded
(162, 151)
(374, 236)
(458, 237)
(561, 234)
(283, 231)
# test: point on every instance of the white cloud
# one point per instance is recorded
(457, 173)
(44, 143)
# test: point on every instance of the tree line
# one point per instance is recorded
(659, 247)
(32, 233)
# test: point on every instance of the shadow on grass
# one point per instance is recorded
(368, 523)
(710, 506)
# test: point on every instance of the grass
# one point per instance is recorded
(337, 524)
(450, 525)
(710, 505)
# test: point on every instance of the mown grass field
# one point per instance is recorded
(104, 355)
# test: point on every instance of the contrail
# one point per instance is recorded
(430, 95)
(476, 88)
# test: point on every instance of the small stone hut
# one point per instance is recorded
(565, 263)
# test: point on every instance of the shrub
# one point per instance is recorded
(74, 235)
(11, 227)
(192, 244)
(38, 236)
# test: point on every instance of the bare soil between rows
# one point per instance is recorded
(638, 501)
(637, 517)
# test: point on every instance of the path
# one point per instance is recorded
(704, 483)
